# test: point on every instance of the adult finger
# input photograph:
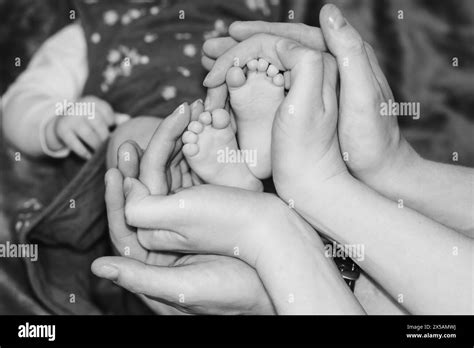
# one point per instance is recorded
(161, 150)
(306, 67)
(216, 98)
(165, 283)
(128, 159)
(306, 35)
(123, 237)
(379, 75)
(347, 46)
(215, 47)
(163, 240)
(257, 46)
(186, 179)
(146, 211)
(196, 109)
(330, 76)
(207, 63)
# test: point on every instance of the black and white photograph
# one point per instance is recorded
(309, 159)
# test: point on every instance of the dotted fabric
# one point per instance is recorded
(145, 57)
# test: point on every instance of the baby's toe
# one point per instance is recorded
(272, 71)
(235, 77)
(279, 80)
(195, 127)
(190, 149)
(205, 118)
(220, 118)
(262, 65)
(252, 65)
(190, 137)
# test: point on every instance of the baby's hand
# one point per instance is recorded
(83, 133)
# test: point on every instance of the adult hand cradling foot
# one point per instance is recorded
(253, 240)
(376, 152)
(221, 226)
(210, 284)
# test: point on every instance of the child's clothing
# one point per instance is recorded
(57, 72)
(163, 69)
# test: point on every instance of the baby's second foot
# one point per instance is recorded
(211, 150)
(254, 100)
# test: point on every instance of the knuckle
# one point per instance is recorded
(85, 129)
(356, 45)
(260, 36)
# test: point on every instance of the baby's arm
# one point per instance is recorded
(57, 72)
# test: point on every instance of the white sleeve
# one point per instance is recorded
(56, 72)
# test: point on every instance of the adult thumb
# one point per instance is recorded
(163, 283)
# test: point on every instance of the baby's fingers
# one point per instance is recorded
(71, 140)
(87, 134)
(207, 63)
(104, 111)
(101, 128)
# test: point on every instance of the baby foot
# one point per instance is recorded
(254, 100)
(210, 147)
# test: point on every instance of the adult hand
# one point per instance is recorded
(190, 283)
(304, 134)
(372, 143)
(253, 226)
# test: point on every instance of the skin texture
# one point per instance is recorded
(188, 227)
(375, 150)
(329, 223)
(198, 279)
(355, 202)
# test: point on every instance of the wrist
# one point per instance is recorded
(394, 172)
(322, 206)
(297, 274)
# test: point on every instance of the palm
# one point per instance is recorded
(214, 280)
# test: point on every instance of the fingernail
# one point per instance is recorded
(109, 272)
(206, 80)
(335, 18)
(180, 109)
(195, 103)
(127, 185)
